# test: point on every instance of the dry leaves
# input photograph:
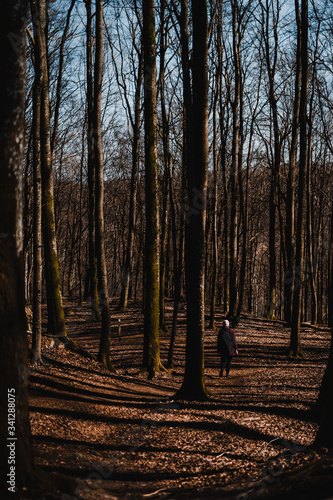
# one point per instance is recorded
(124, 436)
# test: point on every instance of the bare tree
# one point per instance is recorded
(290, 198)
(37, 217)
(295, 339)
(93, 288)
(56, 318)
(104, 347)
(151, 351)
(193, 386)
(14, 349)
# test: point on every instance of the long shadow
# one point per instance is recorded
(106, 400)
(135, 476)
(226, 426)
(46, 381)
(214, 403)
(293, 413)
(143, 448)
(105, 374)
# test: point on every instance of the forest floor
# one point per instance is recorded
(123, 436)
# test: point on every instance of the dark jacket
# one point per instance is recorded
(226, 341)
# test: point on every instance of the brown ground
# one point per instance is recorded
(123, 436)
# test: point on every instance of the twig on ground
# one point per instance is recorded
(267, 444)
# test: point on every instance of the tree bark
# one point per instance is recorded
(151, 351)
(56, 318)
(234, 166)
(193, 386)
(59, 79)
(289, 274)
(324, 404)
(133, 193)
(167, 173)
(37, 219)
(295, 338)
(104, 346)
(14, 348)
(93, 286)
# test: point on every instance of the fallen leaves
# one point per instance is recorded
(134, 441)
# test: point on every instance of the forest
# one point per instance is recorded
(166, 169)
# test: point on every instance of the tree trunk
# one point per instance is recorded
(234, 166)
(311, 244)
(14, 348)
(214, 222)
(324, 404)
(133, 193)
(271, 71)
(56, 318)
(193, 386)
(289, 274)
(224, 133)
(217, 100)
(295, 338)
(178, 263)
(93, 288)
(37, 219)
(151, 351)
(59, 79)
(167, 173)
(104, 346)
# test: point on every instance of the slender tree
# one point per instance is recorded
(271, 59)
(234, 162)
(151, 350)
(56, 318)
(37, 215)
(290, 199)
(60, 74)
(295, 338)
(217, 97)
(167, 168)
(134, 188)
(134, 116)
(93, 287)
(104, 347)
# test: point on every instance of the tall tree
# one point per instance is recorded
(134, 188)
(37, 216)
(166, 176)
(22, 477)
(217, 97)
(134, 117)
(14, 349)
(104, 346)
(295, 338)
(270, 16)
(93, 287)
(193, 386)
(151, 350)
(290, 198)
(56, 318)
(234, 161)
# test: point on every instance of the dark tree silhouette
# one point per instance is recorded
(193, 386)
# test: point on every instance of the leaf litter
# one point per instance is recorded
(123, 436)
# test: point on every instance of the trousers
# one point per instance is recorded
(226, 362)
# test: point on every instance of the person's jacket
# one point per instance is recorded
(226, 341)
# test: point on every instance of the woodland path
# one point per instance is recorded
(123, 436)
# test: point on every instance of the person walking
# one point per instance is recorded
(227, 347)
